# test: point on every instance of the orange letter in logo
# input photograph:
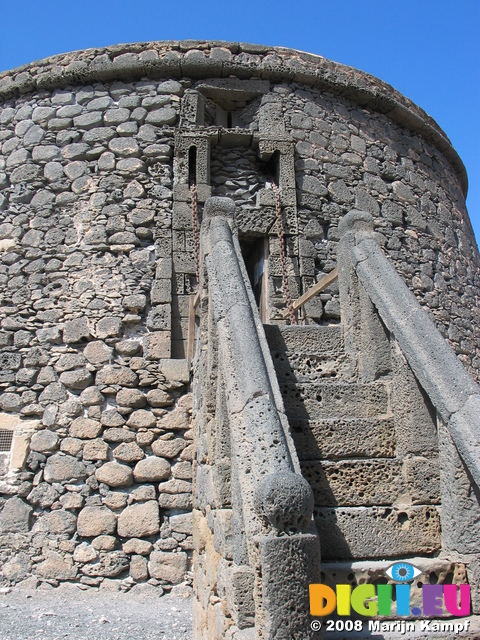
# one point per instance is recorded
(322, 600)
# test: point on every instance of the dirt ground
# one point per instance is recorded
(68, 612)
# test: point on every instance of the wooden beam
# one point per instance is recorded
(194, 298)
(315, 290)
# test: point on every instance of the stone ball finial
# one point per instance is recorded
(285, 499)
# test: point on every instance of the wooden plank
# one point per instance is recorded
(315, 290)
(196, 299)
(191, 325)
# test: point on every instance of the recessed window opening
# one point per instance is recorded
(6, 439)
(229, 120)
(255, 256)
(272, 168)
(192, 166)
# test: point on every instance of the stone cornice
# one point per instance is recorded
(209, 59)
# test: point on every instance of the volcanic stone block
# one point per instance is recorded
(61, 467)
(15, 516)
(377, 532)
(115, 474)
(167, 566)
(85, 428)
(344, 438)
(151, 469)
(44, 441)
(328, 400)
(139, 520)
(56, 567)
(96, 521)
(354, 483)
(76, 330)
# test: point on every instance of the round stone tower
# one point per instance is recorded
(107, 157)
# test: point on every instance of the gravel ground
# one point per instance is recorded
(68, 612)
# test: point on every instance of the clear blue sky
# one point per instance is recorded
(427, 49)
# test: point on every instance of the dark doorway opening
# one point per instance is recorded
(255, 256)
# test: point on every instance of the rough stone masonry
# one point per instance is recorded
(98, 151)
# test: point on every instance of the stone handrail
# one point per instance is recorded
(275, 500)
(452, 391)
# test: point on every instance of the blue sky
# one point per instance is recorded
(427, 49)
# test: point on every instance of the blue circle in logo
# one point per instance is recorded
(402, 572)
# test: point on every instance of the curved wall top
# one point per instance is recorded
(209, 59)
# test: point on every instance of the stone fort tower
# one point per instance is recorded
(163, 208)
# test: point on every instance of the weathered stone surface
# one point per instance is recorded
(151, 469)
(138, 568)
(97, 352)
(71, 500)
(44, 441)
(176, 420)
(182, 501)
(111, 418)
(120, 375)
(118, 435)
(137, 546)
(95, 450)
(175, 486)
(43, 495)
(168, 448)
(141, 419)
(85, 553)
(91, 397)
(182, 523)
(159, 398)
(104, 543)
(55, 567)
(350, 532)
(115, 474)
(73, 446)
(78, 379)
(85, 428)
(59, 522)
(167, 566)
(61, 467)
(128, 452)
(15, 516)
(139, 520)
(76, 330)
(110, 565)
(17, 568)
(131, 398)
(115, 500)
(96, 521)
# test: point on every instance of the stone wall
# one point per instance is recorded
(86, 238)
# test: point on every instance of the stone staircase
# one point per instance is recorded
(369, 510)
(345, 439)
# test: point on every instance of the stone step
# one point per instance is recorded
(304, 339)
(377, 532)
(303, 367)
(307, 354)
(354, 483)
(336, 438)
(374, 482)
(317, 401)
